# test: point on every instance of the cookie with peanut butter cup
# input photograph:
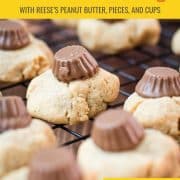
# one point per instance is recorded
(20, 135)
(120, 147)
(156, 100)
(22, 55)
(74, 90)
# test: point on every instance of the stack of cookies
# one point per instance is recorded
(140, 140)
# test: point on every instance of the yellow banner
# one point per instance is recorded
(90, 9)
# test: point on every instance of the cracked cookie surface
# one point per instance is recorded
(159, 113)
(69, 103)
(25, 63)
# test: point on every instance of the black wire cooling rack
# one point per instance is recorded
(129, 66)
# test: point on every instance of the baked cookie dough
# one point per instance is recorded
(22, 55)
(75, 90)
(176, 42)
(110, 38)
(156, 102)
(46, 166)
(124, 150)
(21, 137)
(18, 174)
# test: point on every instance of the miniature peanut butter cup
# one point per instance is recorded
(13, 113)
(73, 63)
(54, 164)
(158, 82)
(13, 35)
(116, 130)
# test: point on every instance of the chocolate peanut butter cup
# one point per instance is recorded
(116, 130)
(13, 113)
(73, 63)
(54, 164)
(158, 82)
(13, 35)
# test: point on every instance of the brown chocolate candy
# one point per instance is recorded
(158, 82)
(13, 113)
(74, 62)
(54, 164)
(111, 21)
(13, 35)
(116, 130)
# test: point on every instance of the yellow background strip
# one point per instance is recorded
(39, 8)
